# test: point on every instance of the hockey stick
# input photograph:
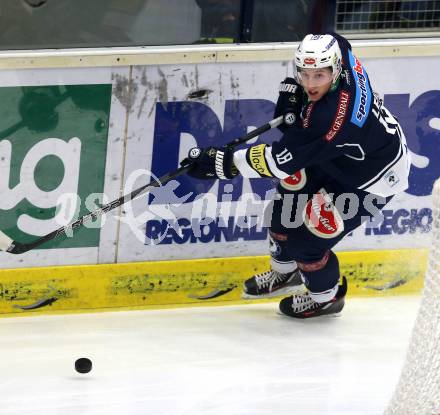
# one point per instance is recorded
(15, 247)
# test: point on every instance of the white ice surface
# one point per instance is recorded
(233, 360)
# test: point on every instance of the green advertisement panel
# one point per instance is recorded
(53, 143)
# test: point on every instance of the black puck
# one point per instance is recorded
(83, 365)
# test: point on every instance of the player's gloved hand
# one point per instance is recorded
(211, 163)
(290, 102)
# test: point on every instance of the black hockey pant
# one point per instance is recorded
(311, 213)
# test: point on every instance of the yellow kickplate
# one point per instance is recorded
(161, 284)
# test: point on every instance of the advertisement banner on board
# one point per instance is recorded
(54, 143)
(52, 165)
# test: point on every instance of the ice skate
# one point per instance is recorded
(303, 306)
(272, 284)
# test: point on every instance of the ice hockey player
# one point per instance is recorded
(343, 146)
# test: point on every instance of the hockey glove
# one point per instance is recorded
(290, 102)
(211, 163)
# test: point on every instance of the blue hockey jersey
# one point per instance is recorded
(348, 133)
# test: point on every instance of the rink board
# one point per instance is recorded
(163, 284)
(82, 127)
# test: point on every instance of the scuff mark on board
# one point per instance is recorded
(162, 88)
(143, 82)
(388, 286)
(185, 80)
(199, 94)
(213, 294)
(125, 91)
(38, 304)
(235, 85)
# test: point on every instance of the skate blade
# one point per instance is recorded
(298, 289)
(339, 314)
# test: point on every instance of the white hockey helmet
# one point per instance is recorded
(318, 51)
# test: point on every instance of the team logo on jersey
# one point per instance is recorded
(321, 217)
(363, 95)
(341, 112)
(295, 182)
